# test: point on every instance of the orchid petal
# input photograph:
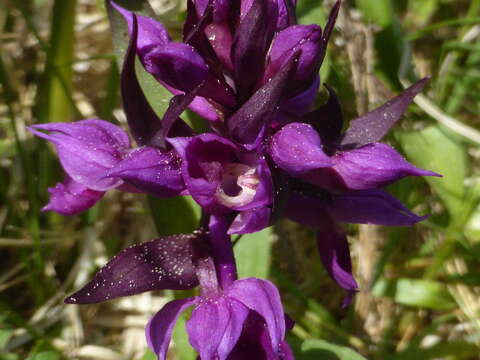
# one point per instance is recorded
(250, 221)
(372, 207)
(373, 126)
(164, 263)
(142, 120)
(297, 149)
(250, 47)
(303, 38)
(372, 166)
(335, 255)
(262, 297)
(87, 149)
(71, 198)
(159, 328)
(247, 123)
(327, 31)
(152, 171)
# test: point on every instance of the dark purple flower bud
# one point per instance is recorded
(71, 198)
(87, 150)
(164, 263)
(299, 38)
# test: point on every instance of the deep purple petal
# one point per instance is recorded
(250, 221)
(142, 120)
(150, 31)
(177, 64)
(159, 328)
(164, 263)
(204, 157)
(87, 149)
(246, 124)
(152, 171)
(306, 210)
(286, 14)
(71, 198)
(333, 248)
(250, 46)
(372, 166)
(215, 326)
(303, 38)
(262, 297)
(327, 119)
(297, 149)
(372, 207)
(327, 31)
(373, 126)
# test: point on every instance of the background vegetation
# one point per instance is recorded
(419, 295)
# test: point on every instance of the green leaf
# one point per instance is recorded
(415, 292)
(45, 355)
(380, 12)
(434, 149)
(421, 11)
(315, 349)
(178, 215)
(148, 355)
(183, 349)
(253, 254)
(5, 335)
(452, 350)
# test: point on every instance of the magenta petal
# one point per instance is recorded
(297, 149)
(87, 149)
(333, 248)
(70, 198)
(164, 263)
(152, 171)
(159, 328)
(372, 207)
(373, 126)
(306, 210)
(177, 64)
(328, 30)
(372, 166)
(215, 326)
(250, 221)
(262, 297)
(302, 103)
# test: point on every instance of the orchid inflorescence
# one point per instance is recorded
(252, 73)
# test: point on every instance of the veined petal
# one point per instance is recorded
(152, 171)
(372, 207)
(159, 328)
(164, 263)
(335, 255)
(215, 326)
(262, 297)
(70, 197)
(250, 221)
(373, 126)
(297, 149)
(372, 166)
(87, 149)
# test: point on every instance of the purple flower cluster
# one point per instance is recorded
(251, 72)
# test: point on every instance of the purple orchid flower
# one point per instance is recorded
(336, 177)
(231, 318)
